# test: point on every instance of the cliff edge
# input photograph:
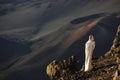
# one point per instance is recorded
(105, 67)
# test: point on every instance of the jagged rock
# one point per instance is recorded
(52, 70)
(116, 44)
(119, 67)
(115, 76)
(118, 60)
(59, 70)
(106, 67)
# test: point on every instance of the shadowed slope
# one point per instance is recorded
(11, 49)
(59, 46)
(55, 29)
(83, 19)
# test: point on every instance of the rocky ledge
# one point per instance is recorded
(106, 67)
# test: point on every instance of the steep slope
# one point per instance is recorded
(106, 67)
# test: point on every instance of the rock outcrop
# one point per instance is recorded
(106, 67)
(59, 70)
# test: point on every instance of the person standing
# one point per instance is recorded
(89, 48)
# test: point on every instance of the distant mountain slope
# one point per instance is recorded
(68, 40)
(30, 20)
(34, 32)
(11, 49)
